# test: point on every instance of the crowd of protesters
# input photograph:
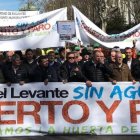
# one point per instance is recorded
(66, 65)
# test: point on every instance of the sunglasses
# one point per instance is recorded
(70, 57)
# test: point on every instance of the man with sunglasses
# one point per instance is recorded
(70, 71)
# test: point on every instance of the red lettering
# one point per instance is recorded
(8, 112)
(108, 111)
(51, 109)
(21, 113)
(137, 34)
(133, 110)
(47, 26)
(66, 114)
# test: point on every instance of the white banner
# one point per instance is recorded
(7, 16)
(71, 108)
(38, 31)
(89, 33)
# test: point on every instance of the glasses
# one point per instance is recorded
(70, 57)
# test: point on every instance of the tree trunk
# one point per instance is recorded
(104, 25)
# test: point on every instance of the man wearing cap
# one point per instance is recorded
(77, 48)
(97, 47)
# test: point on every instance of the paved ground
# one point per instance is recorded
(74, 137)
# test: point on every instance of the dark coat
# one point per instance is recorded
(67, 72)
(42, 73)
(136, 70)
(21, 74)
(132, 63)
(56, 67)
(30, 68)
(98, 73)
(133, 66)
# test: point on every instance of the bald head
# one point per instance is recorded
(119, 58)
(98, 56)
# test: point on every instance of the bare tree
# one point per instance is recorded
(98, 11)
(133, 10)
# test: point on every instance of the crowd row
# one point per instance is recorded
(73, 66)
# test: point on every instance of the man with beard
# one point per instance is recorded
(43, 72)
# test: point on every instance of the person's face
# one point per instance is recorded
(113, 55)
(102, 58)
(17, 62)
(128, 53)
(71, 58)
(44, 62)
(51, 57)
(9, 56)
(97, 57)
(62, 54)
(86, 57)
(29, 55)
(119, 58)
(79, 58)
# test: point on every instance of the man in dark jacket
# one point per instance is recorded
(70, 71)
(130, 61)
(55, 65)
(29, 62)
(44, 73)
(136, 68)
(16, 73)
(96, 70)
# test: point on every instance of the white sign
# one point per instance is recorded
(66, 27)
(38, 31)
(71, 108)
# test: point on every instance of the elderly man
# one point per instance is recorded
(120, 70)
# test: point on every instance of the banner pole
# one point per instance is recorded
(65, 50)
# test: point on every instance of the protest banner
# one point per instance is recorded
(8, 16)
(88, 33)
(71, 108)
(39, 31)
